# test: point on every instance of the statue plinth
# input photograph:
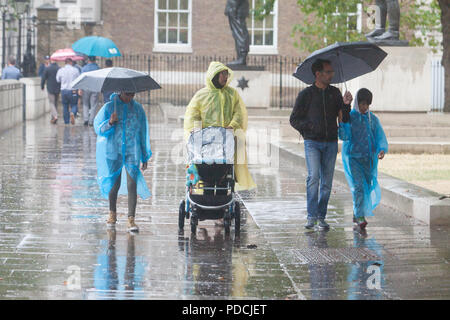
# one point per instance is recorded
(388, 43)
(253, 84)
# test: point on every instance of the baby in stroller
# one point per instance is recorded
(210, 179)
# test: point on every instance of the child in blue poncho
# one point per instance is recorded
(123, 142)
(364, 143)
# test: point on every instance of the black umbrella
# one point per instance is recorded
(348, 59)
(115, 79)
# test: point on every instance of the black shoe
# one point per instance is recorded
(85, 123)
(375, 33)
(323, 225)
(310, 223)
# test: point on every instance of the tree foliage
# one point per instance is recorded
(328, 21)
(424, 17)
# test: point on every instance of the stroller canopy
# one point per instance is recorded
(211, 145)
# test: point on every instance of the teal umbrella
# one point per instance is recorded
(96, 46)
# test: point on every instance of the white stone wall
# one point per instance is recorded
(11, 101)
(402, 82)
(10, 104)
(36, 99)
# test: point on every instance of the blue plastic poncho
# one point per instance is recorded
(363, 138)
(122, 145)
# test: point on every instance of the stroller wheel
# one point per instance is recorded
(181, 215)
(237, 217)
(226, 224)
(194, 226)
(194, 221)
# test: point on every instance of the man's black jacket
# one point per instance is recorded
(49, 76)
(315, 113)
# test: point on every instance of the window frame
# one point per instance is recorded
(264, 49)
(172, 47)
(357, 13)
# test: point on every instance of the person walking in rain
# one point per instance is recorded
(53, 88)
(89, 98)
(315, 116)
(219, 105)
(69, 96)
(123, 142)
(11, 71)
(107, 94)
(364, 143)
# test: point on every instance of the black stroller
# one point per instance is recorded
(211, 158)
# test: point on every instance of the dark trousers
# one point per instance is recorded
(240, 34)
(132, 195)
(69, 98)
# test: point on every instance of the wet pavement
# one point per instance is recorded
(54, 243)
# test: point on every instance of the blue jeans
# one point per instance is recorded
(320, 161)
(69, 98)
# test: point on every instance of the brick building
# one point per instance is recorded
(196, 27)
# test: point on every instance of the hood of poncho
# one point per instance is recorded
(214, 68)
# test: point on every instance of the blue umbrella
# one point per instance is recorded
(96, 46)
(348, 59)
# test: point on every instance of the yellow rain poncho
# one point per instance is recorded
(221, 108)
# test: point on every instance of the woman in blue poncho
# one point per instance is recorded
(364, 143)
(123, 142)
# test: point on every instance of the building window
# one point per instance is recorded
(353, 21)
(173, 26)
(263, 33)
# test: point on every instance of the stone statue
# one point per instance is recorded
(391, 10)
(237, 11)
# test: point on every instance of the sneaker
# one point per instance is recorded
(72, 118)
(111, 222)
(131, 226)
(311, 223)
(323, 224)
(362, 223)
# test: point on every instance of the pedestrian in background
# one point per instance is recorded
(69, 96)
(43, 65)
(89, 98)
(315, 116)
(123, 142)
(107, 94)
(53, 88)
(364, 144)
(11, 71)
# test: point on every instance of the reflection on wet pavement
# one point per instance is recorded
(54, 243)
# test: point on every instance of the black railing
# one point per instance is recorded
(181, 76)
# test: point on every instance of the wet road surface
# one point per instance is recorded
(54, 243)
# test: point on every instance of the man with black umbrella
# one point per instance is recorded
(315, 116)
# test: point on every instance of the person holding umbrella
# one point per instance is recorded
(123, 142)
(315, 116)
